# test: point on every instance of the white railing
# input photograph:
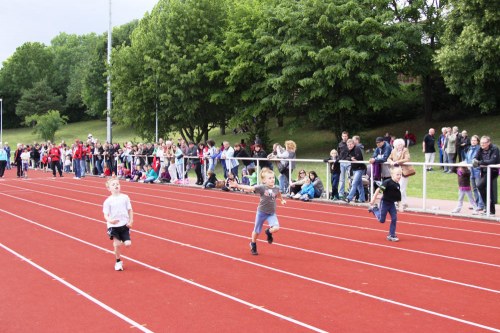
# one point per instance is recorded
(327, 182)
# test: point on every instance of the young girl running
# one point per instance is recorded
(266, 210)
(392, 193)
(119, 218)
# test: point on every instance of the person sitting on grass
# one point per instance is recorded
(317, 183)
(211, 180)
(151, 174)
(164, 176)
(251, 176)
(230, 178)
(306, 193)
(296, 186)
(136, 174)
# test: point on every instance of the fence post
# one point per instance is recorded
(488, 190)
(424, 187)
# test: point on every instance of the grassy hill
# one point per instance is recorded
(311, 143)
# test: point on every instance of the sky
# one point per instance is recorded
(24, 21)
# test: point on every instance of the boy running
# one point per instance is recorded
(118, 213)
(266, 210)
(392, 193)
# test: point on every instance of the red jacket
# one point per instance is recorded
(78, 151)
(55, 154)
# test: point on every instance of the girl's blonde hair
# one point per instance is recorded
(264, 172)
(112, 179)
(333, 151)
(290, 145)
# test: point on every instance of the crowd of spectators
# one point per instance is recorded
(349, 167)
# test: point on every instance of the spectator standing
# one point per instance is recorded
(358, 169)
(488, 154)
(3, 160)
(441, 145)
(77, 159)
(6, 147)
(55, 160)
(379, 157)
(259, 152)
(343, 151)
(286, 165)
(464, 145)
(25, 161)
(228, 157)
(400, 155)
(475, 173)
(334, 165)
(240, 152)
(17, 160)
(428, 148)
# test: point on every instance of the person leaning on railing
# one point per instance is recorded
(487, 155)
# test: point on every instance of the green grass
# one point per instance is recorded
(311, 144)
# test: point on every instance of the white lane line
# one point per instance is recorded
(301, 231)
(277, 244)
(314, 220)
(78, 290)
(239, 300)
(351, 291)
(190, 190)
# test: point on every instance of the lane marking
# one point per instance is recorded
(78, 290)
(260, 308)
(241, 301)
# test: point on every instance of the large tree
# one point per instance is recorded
(469, 59)
(30, 63)
(38, 100)
(174, 60)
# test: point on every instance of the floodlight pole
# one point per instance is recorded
(1, 120)
(109, 137)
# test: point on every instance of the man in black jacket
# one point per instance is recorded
(488, 154)
(344, 167)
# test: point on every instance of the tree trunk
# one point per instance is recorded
(427, 86)
(280, 121)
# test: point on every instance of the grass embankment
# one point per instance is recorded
(311, 144)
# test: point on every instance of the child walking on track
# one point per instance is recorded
(392, 193)
(267, 206)
(119, 217)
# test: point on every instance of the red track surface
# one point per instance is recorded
(190, 270)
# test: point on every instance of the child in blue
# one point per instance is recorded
(392, 193)
(267, 206)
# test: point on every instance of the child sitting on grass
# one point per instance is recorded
(151, 174)
(230, 178)
(211, 180)
(306, 193)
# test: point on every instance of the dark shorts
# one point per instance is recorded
(121, 233)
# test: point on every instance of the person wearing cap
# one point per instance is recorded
(379, 157)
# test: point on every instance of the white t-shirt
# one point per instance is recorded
(117, 207)
(25, 157)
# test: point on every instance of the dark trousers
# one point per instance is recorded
(493, 190)
(335, 185)
(54, 165)
(381, 214)
(19, 166)
(3, 164)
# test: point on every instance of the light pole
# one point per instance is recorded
(1, 120)
(109, 136)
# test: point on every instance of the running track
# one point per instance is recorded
(190, 270)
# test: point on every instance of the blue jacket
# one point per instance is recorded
(307, 189)
(382, 154)
(3, 155)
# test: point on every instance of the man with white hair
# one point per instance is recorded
(487, 155)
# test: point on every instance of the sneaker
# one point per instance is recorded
(269, 236)
(346, 199)
(392, 238)
(253, 248)
(455, 211)
(372, 208)
(119, 266)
